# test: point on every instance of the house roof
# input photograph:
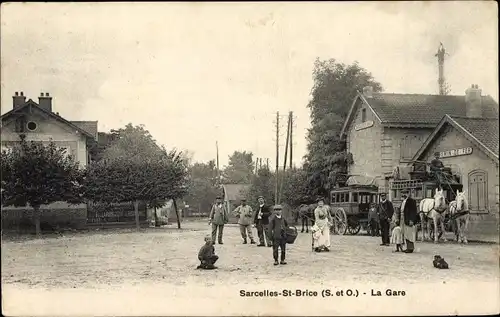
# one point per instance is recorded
(88, 128)
(417, 110)
(233, 192)
(483, 132)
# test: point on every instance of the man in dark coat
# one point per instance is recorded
(385, 212)
(262, 223)
(409, 211)
(278, 226)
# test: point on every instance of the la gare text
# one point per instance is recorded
(322, 293)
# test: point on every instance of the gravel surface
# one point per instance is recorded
(166, 258)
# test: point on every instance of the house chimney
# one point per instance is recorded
(18, 100)
(45, 102)
(368, 91)
(473, 104)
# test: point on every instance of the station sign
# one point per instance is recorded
(363, 125)
(456, 152)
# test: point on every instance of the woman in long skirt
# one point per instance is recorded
(323, 222)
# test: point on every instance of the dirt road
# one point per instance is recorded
(159, 261)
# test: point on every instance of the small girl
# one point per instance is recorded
(397, 237)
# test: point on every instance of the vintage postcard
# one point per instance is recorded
(250, 159)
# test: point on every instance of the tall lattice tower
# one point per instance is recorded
(443, 88)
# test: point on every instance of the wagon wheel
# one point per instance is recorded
(354, 227)
(339, 221)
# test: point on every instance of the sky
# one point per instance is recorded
(197, 73)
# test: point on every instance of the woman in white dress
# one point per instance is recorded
(321, 229)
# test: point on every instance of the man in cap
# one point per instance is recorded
(385, 211)
(278, 226)
(218, 218)
(407, 219)
(262, 223)
(245, 213)
(436, 168)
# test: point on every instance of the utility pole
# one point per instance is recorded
(218, 171)
(286, 156)
(260, 163)
(267, 163)
(291, 139)
(277, 155)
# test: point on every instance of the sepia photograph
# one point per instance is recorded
(250, 158)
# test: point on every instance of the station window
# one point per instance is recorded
(478, 191)
(333, 198)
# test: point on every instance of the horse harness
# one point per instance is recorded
(440, 211)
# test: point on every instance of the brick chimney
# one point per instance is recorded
(368, 91)
(45, 102)
(18, 100)
(473, 104)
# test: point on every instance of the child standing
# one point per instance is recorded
(207, 255)
(397, 237)
(277, 227)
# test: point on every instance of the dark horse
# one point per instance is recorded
(306, 213)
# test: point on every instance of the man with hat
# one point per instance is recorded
(407, 219)
(385, 211)
(262, 223)
(218, 218)
(245, 213)
(436, 168)
(278, 226)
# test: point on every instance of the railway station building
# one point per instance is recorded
(384, 131)
(470, 146)
(388, 133)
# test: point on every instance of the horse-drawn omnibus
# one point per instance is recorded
(350, 205)
(425, 187)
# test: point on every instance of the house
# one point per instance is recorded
(384, 130)
(233, 193)
(470, 145)
(38, 122)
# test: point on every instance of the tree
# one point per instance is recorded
(240, 168)
(134, 168)
(263, 184)
(134, 142)
(35, 174)
(295, 188)
(334, 89)
(202, 185)
(152, 180)
(97, 148)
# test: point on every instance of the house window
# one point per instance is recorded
(363, 115)
(478, 191)
(32, 126)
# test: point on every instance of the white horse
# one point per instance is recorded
(459, 210)
(435, 209)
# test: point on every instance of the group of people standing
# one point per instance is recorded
(403, 221)
(270, 224)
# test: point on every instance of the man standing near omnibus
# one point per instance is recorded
(385, 212)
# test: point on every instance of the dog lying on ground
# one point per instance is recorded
(439, 262)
